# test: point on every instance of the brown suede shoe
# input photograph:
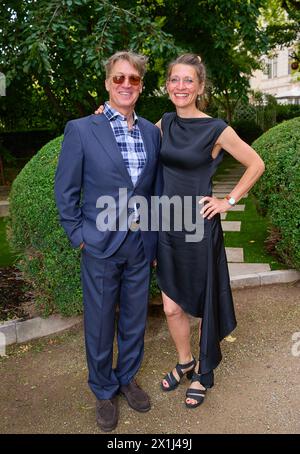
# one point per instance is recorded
(136, 397)
(107, 414)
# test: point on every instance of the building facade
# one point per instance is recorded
(278, 78)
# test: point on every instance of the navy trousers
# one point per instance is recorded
(122, 279)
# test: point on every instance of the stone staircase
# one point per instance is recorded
(223, 185)
(4, 203)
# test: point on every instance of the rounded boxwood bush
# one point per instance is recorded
(46, 257)
(278, 190)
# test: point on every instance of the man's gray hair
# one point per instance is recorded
(138, 61)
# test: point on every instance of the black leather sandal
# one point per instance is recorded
(172, 381)
(196, 394)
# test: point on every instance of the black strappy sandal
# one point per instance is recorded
(172, 381)
(196, 394)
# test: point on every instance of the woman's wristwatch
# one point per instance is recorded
(230, 200)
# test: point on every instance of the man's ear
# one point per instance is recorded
(107, 85)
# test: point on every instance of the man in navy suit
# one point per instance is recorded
(101, 155)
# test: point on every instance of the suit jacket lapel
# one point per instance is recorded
(148, 149)
(104, 134)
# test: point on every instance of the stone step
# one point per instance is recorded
(233, 176)
(220, 194)
(223, 216)
(4, 208)
(225, 177)
(4, 192)
(235, 171)
(229, 181)
(238, 208)
(221, 184)
(223, 187)
(235, 254)
(4, 189)
(222, 190)
(236, 177)
(231, 226)
(238, 269)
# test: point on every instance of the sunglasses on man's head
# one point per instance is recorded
(133, 80)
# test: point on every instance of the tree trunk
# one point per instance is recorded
(228, 108)
(2, 179)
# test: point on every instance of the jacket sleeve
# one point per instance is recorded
(68, 183)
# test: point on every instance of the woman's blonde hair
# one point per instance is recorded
(196, 62)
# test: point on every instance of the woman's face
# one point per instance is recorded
(183, 86)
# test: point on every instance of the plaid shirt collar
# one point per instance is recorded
(113, 114)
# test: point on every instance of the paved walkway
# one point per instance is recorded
(257, 385)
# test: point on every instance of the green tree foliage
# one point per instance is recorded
(26, 106)
(60, 46)
(228, 36)
(283, 23)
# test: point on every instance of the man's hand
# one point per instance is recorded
(81, 246)
(99, 110)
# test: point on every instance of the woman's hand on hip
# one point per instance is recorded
(212, 206)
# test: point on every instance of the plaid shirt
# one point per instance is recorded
(130, 142)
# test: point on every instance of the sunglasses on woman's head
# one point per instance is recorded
(133, 80)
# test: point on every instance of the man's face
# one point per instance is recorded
(123, 96)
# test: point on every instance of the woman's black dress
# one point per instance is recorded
(195, 274)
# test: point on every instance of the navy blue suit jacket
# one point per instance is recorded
(91, 165)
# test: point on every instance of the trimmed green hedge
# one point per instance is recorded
(46, 257)
(278, 191)
(287, 112)
(153, 107)
(248, 130)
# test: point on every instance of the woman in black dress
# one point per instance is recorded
(193, 276)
